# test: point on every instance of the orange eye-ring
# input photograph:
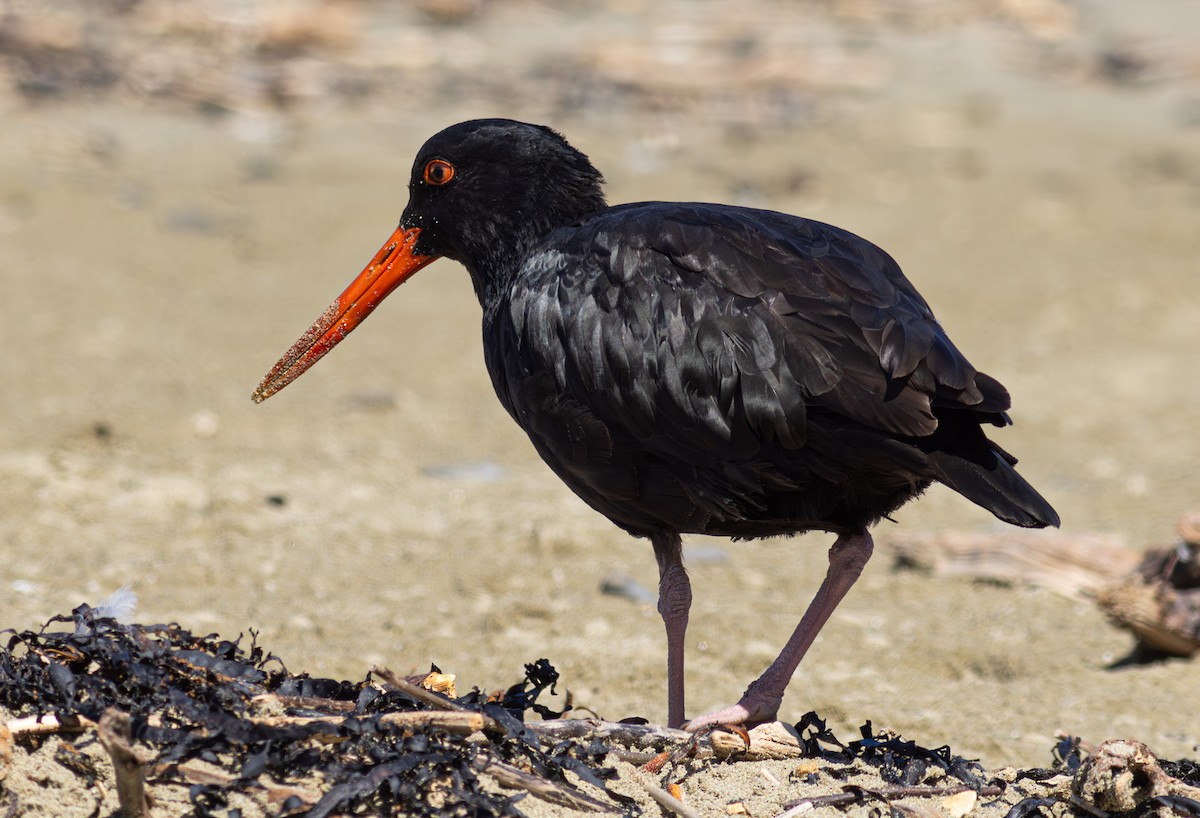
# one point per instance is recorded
(438, 172)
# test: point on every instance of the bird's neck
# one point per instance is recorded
(493, 275)
(495, 262)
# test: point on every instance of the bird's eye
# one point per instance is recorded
(438, 172)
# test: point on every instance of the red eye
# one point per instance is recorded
(438, 172)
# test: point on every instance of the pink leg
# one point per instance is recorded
(674, 601)
(762, 698)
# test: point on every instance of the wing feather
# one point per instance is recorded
(710, 331)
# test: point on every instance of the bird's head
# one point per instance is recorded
(484, 189)
(481, 192)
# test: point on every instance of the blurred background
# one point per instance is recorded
(184, 186)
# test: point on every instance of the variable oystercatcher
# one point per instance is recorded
(694, 368)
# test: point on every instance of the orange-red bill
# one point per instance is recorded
(392, 266)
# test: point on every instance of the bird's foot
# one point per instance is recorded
(750, 711)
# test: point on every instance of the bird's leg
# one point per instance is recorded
(674, 601)
(762, 698)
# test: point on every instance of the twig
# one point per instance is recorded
(48, 724)
(635, 757)
(193, 773)
(848, 797)
(417, 692)
(669, 802)
(888, 793)
(773, 740)
(128, 765)
(463, 722)
(897, 791)
(636, 736)
(799, 809)
(514, 779)
(274, 701)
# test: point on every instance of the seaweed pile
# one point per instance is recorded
(377, 748)
(315, 747)
(228, 724)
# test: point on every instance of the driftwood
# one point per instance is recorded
(1155, 595)
(1159, 601)
(462, 723)
(766, 742)
(1122, 775)
(1075, 566)
(128, 764)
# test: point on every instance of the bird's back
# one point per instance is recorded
(723, 370)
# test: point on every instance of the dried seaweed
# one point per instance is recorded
(1178, 804)
(225, 717)
(195, 697)
(1185, 770)
(1068, 755)
(900, 761)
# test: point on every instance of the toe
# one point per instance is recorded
(749, 712)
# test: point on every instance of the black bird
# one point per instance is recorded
(695, 368)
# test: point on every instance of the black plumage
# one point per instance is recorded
(719, 370)
(703, 368)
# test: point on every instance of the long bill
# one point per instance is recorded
(392, 266)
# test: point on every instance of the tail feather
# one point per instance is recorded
(996, 487)
(963, 458)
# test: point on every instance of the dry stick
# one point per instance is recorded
(48, 724)
(515, 779)
(767, 741)
(637, 758)
(669, 802)
(128, 764)
(264, 700)
(885, 793)
(637, 736)
(799, 809)
(824, 800)
(990, 791)
(432, 699)
(417, 692)
(459, 722)
(193, 773)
